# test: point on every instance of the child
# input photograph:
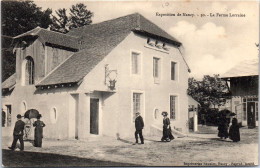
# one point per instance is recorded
(234, 131)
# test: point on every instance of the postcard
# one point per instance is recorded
(129, 83)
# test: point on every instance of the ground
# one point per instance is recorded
(202, 148)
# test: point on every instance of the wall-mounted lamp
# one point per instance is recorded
(110, 76)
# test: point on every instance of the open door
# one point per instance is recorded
(251, 114)
(94, 116)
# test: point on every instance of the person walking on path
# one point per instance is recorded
(167, 132)
(234, 131)
(38, 132)
(223, 126)
(18, 133)
(139, 125)
(3, 118)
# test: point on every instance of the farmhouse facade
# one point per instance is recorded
(243, 84)
(92, 80)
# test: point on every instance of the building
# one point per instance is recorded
(92, 80)
(242, 81)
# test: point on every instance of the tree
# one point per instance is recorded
(60, 23)
(21, 16)
(79, 16)
(209, 91)
(18, 17)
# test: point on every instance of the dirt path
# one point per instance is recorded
(201, 149)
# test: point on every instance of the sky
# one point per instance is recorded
(213, 44)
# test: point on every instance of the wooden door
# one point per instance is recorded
(251, 114)
(94, 116)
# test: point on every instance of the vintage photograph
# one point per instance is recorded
(129, 83)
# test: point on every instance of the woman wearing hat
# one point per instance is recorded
(167, 133)
(38, 134)
(234, 131)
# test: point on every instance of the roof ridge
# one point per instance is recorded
(136, 13)
(27, 32)
(58, 33)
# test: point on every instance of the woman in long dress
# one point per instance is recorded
(38, 134)
(234, 131)
(167, 132)
(223, 127)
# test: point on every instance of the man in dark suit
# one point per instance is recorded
(139, 125)
(18, 133)
(3, 118)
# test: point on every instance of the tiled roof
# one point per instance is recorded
(134, 22)
(10, 82)
(81, 63)
(52, 37)
(98, 40)
(245, 68)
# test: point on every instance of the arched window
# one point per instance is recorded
(28, 71)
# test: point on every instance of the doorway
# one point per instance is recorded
(94, 116)
(251, 115)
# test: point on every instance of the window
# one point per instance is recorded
(135, 63)
(173, 104)
(244, 111)
(28, 71)
(136, 104)
(156, 67)
(255, 99)
(173, 70)
(53, 115)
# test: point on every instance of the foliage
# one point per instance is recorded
(79, 16)
(209, 91)
(18, 17)
(61, 22)
(8, 58)
(21, 16)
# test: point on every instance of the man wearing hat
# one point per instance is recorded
(139, 125)
(18, 133)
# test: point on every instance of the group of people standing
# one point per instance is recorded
(223, 125)
(18, 132)
(139, 125)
